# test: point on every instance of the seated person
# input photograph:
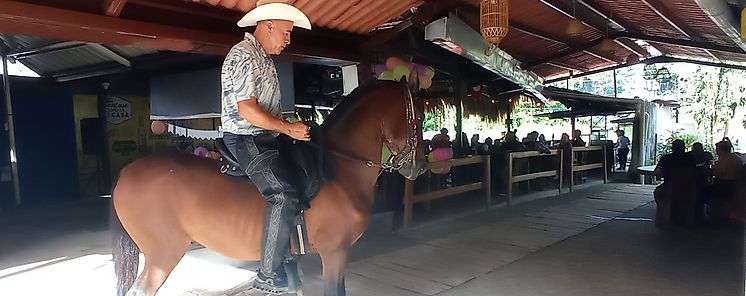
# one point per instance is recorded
(677, 170)
(701, 157)
(532, 143)
(441, 140)
(510, 144)
(486, 148)
(703, 161)
(726, 172)
(577, 140)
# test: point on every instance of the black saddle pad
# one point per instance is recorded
(316, 165)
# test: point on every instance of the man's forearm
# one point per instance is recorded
(261, 119)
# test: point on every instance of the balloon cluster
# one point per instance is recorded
(440, 154)
(396, 68)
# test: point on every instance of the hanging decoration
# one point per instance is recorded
(607, 46)
(633, 59)
(395, 69)
(494, 22)
(575, 28)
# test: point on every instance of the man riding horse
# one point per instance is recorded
(251, 122)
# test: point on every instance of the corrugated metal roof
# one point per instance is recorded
(20, 42)
(354, 16)
(40, 54)
(131, 52)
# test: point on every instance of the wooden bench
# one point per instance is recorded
(410, 198)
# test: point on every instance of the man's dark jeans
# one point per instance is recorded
(622, 155)
(270, 168)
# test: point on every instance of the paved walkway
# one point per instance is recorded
(599, 241)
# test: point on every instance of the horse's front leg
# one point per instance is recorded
(333, 262)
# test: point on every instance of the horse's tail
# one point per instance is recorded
(125, 253)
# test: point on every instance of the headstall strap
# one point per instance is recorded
(397, 160)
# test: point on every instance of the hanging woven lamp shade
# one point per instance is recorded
(607, 46)
(494, 20)
(575, 29)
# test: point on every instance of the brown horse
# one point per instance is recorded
(167, 201)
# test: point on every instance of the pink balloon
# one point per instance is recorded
(158, 127)
(441, 154)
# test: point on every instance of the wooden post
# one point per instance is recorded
(487, 182)
(408, 202)
(606, 173)
(572, 168)
(103, 152)
(572, 126)
(510, 178)
(561, 153)
(461, 94)
(528, 171)
(11, 130)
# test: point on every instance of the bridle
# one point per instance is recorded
(401, 158)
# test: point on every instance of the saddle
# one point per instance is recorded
(315, 163)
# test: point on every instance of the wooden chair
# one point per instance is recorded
(676, 199)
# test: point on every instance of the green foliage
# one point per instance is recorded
(524, 113)
(665, 147)
(718, 93)
(431, 122)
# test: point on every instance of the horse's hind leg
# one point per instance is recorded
(158, 265)
(334, 263)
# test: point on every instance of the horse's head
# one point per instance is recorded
(402, 136)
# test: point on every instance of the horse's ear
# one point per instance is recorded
(414, 82)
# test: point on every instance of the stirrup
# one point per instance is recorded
(268, 287)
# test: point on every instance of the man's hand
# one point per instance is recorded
(298, 130)
(254, 114)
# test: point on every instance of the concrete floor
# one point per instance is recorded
(595, 241)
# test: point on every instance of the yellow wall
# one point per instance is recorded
(129, 139)
(85, 107)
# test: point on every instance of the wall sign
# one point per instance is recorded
(118, 110)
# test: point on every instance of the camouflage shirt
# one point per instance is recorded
(248, 72)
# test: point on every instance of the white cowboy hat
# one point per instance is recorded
(275, 11)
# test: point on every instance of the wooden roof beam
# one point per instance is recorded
(685, 43)
(664, 40)
(669, 17)
(190, 8)
(19, 18)
(593, 18)
(564, 53)
(35, 20)
(425, 13)
(567, 66)
(633, 47)
(556, 39)
(614, 20)
(114, 7)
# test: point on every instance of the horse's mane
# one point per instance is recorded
(345, 109)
